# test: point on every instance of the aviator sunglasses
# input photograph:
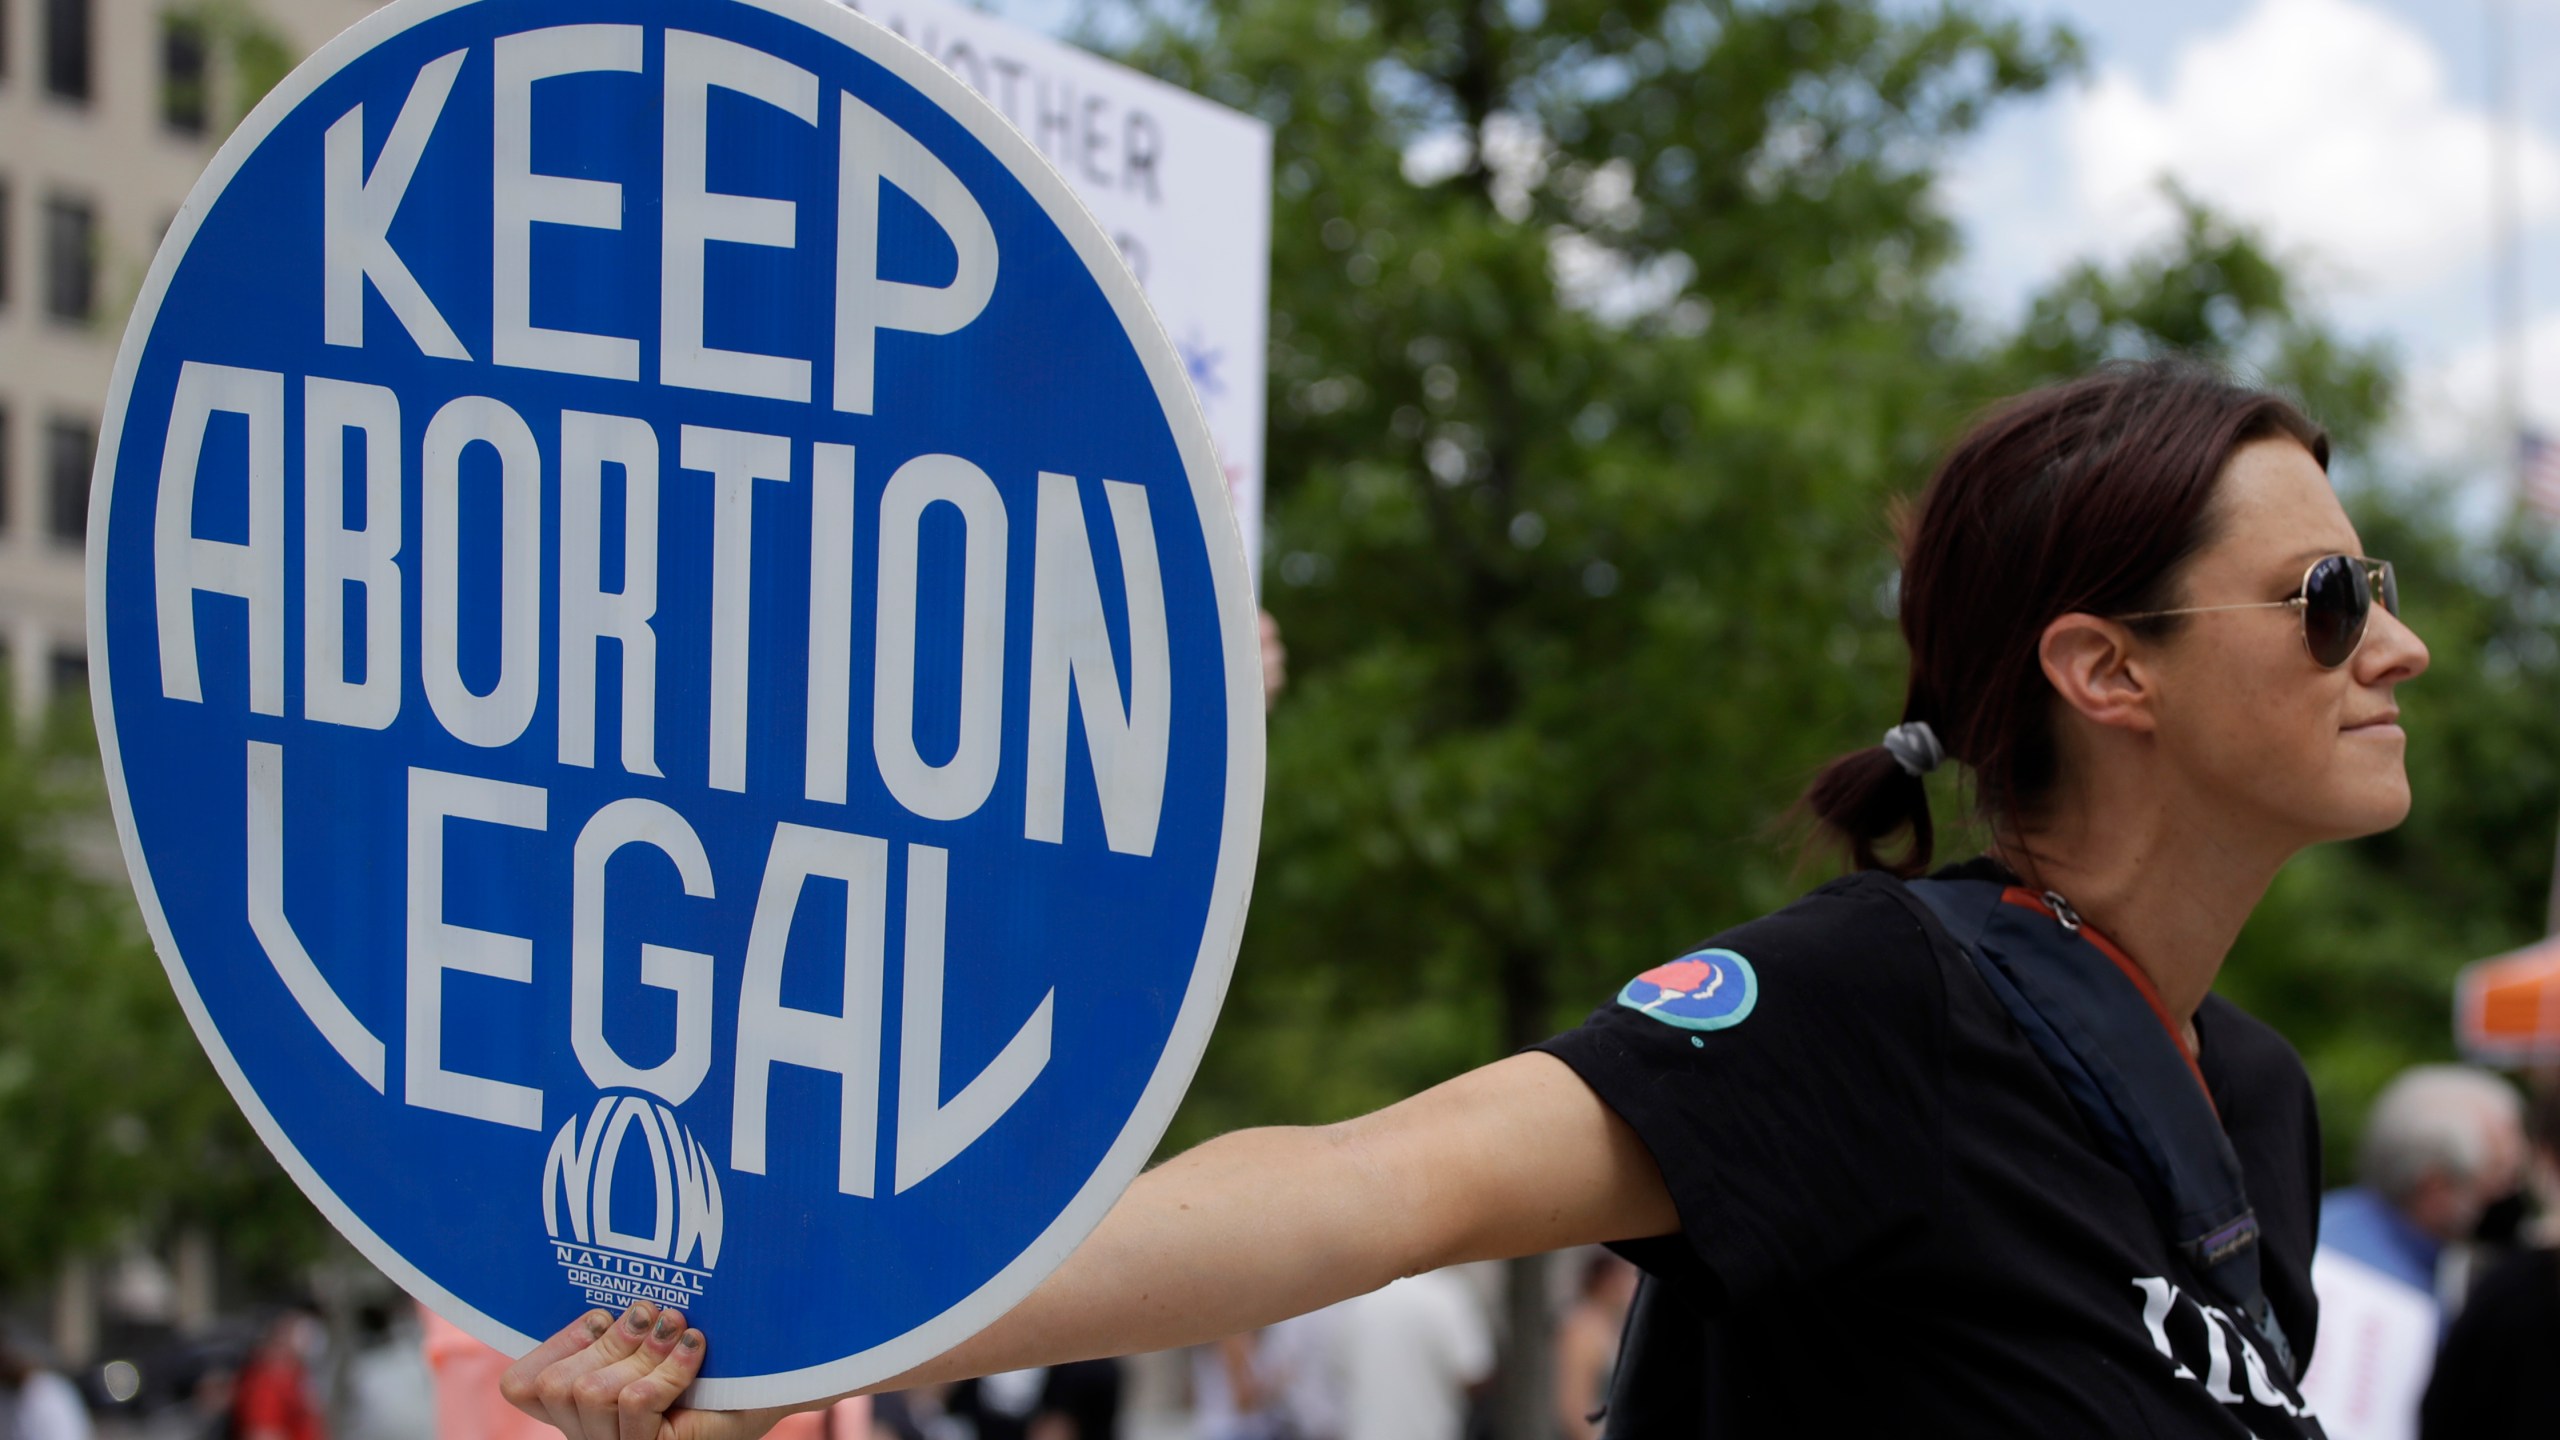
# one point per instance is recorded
(2336, 599)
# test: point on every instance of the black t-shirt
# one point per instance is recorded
(2494, 1379)
(1896, 1217)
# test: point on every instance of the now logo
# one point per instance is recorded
(667, 1261)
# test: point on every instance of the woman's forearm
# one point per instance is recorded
(1245, 1230)
(1260, 1225)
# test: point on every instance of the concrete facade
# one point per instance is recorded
(123, 155)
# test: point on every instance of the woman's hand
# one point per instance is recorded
(603, 1379)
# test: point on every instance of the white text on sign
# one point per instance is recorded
(355, 439)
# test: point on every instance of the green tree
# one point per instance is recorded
(1579, 451)
(257, 54)
(118, 1128)
(1604, 340)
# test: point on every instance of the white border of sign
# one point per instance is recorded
(1230, 890)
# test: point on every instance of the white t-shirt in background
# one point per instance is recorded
(1404, 1356)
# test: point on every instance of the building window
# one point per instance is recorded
(66, 48)
(69, 672)
(70, 259)
(8, 229)
(183, 101)
(71, 447)
(8, 485)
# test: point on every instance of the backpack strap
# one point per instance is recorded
(2127, 1076)
(1660, 1387)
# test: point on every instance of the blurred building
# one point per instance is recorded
(109, 109)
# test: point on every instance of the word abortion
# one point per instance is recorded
(1070, 646)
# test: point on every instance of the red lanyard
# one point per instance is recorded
(2020, 895)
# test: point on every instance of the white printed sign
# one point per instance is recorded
(1181, 184)
(2377, 1347)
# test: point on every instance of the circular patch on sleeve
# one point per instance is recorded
(1705, 990)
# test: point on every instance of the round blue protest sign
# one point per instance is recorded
(678, 683)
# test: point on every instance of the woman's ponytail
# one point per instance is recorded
(1866, 797)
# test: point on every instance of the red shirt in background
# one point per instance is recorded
(272, 1401)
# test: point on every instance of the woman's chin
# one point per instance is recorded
(2379, 805)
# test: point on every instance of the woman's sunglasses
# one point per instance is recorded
(2336, 599)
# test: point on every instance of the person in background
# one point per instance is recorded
(390, 1391)
(1297, 1362)
(1079, 1400)
(273, 1399)
(36, 1403)
(1275, 661)
(468, 1406)
(2443, 1151)
(1587, 1344)
(2494, 1378)
(1404, 1358)
(1231, 1396)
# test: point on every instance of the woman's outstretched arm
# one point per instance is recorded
(1513, 1159)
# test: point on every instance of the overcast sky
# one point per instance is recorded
(2356, 134)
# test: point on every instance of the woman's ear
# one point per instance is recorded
(2091, 663)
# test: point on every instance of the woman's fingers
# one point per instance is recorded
(644, 1400)
(539, 1384)
(603, 1378)
(565, 1386)
(599, 1392)
(520, 1384)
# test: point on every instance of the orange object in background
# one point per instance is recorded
(2506, 1009)
(469, 1407)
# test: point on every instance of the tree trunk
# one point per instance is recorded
(1523, 1399)
(1524, 1395)
(75, 1312)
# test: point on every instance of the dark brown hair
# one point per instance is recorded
(2087, 496)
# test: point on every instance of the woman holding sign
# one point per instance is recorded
(1986, 1139)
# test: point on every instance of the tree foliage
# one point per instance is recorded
(118, 1130)
(1581, 436)
(1606, 339)
(1601, 332)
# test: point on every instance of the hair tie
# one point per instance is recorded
(1915, 747)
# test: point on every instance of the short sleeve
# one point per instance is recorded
(1788, 1078)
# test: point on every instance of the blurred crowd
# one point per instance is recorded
(1413, 1361)
(2438, 1272)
